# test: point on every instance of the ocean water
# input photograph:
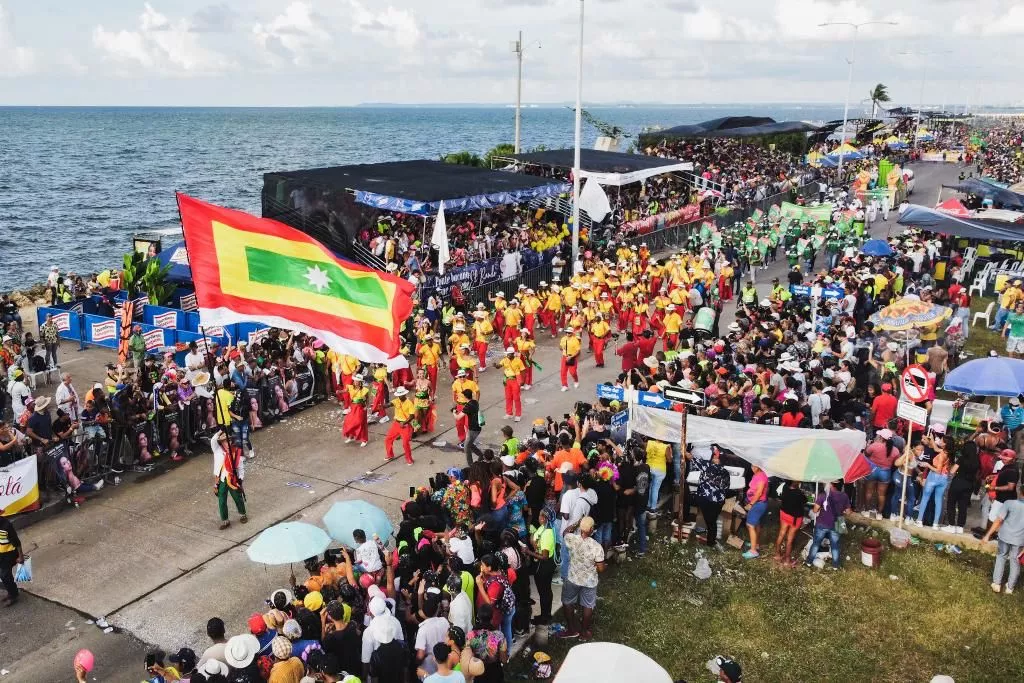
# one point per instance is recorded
(76, 183)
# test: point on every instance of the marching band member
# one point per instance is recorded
(531, 306)
(401, 376)
(348, 366)
(498, 299)
(512, 369)
(457, 340)
(401, 428)
(553, 310)
(354, 426)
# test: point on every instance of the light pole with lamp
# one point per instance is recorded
(576, 169)
(519, 48)
(849, 78)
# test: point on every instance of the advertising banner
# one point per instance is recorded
(19, 487)
(467, 277)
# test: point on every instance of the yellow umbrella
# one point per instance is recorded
(845, 148)
(907, 314)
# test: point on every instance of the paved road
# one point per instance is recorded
(149, 557)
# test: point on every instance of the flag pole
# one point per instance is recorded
(576, 162)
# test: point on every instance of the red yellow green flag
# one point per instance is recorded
(249, 269)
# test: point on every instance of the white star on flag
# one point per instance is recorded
(317, 277)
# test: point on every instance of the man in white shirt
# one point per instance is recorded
(460, 609)
(431, 631)
(193, 359)
(67, 397)
(462, 546)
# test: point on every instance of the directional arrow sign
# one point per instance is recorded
(652, 400)
(687, 396)
(610, 392)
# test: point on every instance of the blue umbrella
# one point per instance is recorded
(288, 542)
(876, 248)
(347, 515)
(992, 376)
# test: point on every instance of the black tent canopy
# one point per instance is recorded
(730, 127)
(416, 187)
(607, 168)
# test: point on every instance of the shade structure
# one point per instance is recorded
(348, 515)
(846, 156)
(876, 248)
(288, 542)
(177, 258)
(845, 148)
(593, 662)
(907, 314)
(993, 376)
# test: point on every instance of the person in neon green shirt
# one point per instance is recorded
(542, 549)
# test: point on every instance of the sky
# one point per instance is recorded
(346, 52)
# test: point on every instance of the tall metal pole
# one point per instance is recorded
(519, 86)
(917, 121)
(846, 105)
(576, 170)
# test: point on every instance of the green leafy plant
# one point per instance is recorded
(155, 284)
(503, 150)
(131, 276)
(463, 158)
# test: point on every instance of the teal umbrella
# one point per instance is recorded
(347, 515)
(288, 542)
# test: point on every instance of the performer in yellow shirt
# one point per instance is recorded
(553, 310)
(379, 407)
(499, 311)
(354, 425)
(349, 365)
(482, 331)
(513, 321)
(429, 354)
(526, 347)
(570, 347)
(463, 381)
(401, 428)
(531, 306)
(673, 323)
(600, 331)
(512, 370)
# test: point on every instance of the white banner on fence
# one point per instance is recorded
(801, 454)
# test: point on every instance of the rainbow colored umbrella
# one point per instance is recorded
(907, 314)
(815, 459)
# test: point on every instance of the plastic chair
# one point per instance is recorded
(978, 285)
(985, 315)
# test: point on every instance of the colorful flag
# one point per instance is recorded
(249, 269)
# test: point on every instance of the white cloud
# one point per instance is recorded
(294, 36)
(16, 59)
(396, 28)
(998, 21)
(167, 46)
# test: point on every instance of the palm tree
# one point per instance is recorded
(878, 95)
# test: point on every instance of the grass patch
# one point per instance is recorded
(937, 616)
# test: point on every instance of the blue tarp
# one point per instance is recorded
(461, 204)
(973, 228)
(177, 257)
(848, 156)
(1001, 197)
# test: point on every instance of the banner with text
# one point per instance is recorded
(19, 487)
(468, 277)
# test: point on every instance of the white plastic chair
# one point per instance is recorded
(978, 285)
(985, 315)
(970, 253)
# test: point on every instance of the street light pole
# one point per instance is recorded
(576, 169)
(924, 77)
(519, 86)
(849, 80)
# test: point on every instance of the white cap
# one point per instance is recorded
(510, 350)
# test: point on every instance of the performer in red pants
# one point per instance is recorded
(401, 428)
(570, 346)
(512, 370)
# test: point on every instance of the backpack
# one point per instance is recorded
(506, 602)
(239, 405)
(643, 482)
